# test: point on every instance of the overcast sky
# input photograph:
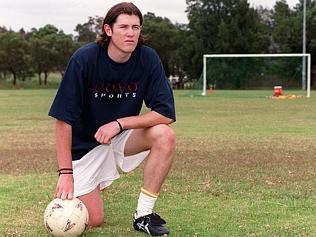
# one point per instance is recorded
(66, 14)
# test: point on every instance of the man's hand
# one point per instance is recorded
(106, 132)
(65, 187)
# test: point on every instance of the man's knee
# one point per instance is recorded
(164, 137)
(96, 220)
(94, 204)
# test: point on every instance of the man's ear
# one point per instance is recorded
(107, 30)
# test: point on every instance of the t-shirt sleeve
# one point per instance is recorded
(159, 95)
(68, 102)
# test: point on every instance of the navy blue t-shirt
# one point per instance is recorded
(95, 90)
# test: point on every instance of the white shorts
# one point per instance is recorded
(100, 165)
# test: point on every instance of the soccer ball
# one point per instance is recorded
(66, 218)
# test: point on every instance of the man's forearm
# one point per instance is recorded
(145, 120)
(63, 144)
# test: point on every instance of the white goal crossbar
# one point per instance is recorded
(205, 56)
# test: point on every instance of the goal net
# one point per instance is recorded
(256, 71)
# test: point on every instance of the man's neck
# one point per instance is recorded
(118, 55)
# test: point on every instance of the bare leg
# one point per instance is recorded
(160, 140)
(94, 203)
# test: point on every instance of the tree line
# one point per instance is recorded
(214, 26)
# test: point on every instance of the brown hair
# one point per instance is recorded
(111, 16)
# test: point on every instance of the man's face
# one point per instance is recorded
(124, 33)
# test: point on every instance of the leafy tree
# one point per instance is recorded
(187, 53)
(14, 56)
(311, 37)
(88, 31)
(223, 26)
(65, 47)
(40, 52)
(44, 50)
(44, 31)
(285, 30)
(243, 31)
(51, 50)
(161, 34)
(3, 29)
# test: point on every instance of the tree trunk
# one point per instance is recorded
(45, 78)
(181, 82)
(14, 78)
(39, 78)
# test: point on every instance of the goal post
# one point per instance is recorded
(307, 55)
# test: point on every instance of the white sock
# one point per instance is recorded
(145, 205)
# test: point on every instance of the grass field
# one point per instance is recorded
(245, 166)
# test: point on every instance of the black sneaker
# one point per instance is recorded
(151, 224)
